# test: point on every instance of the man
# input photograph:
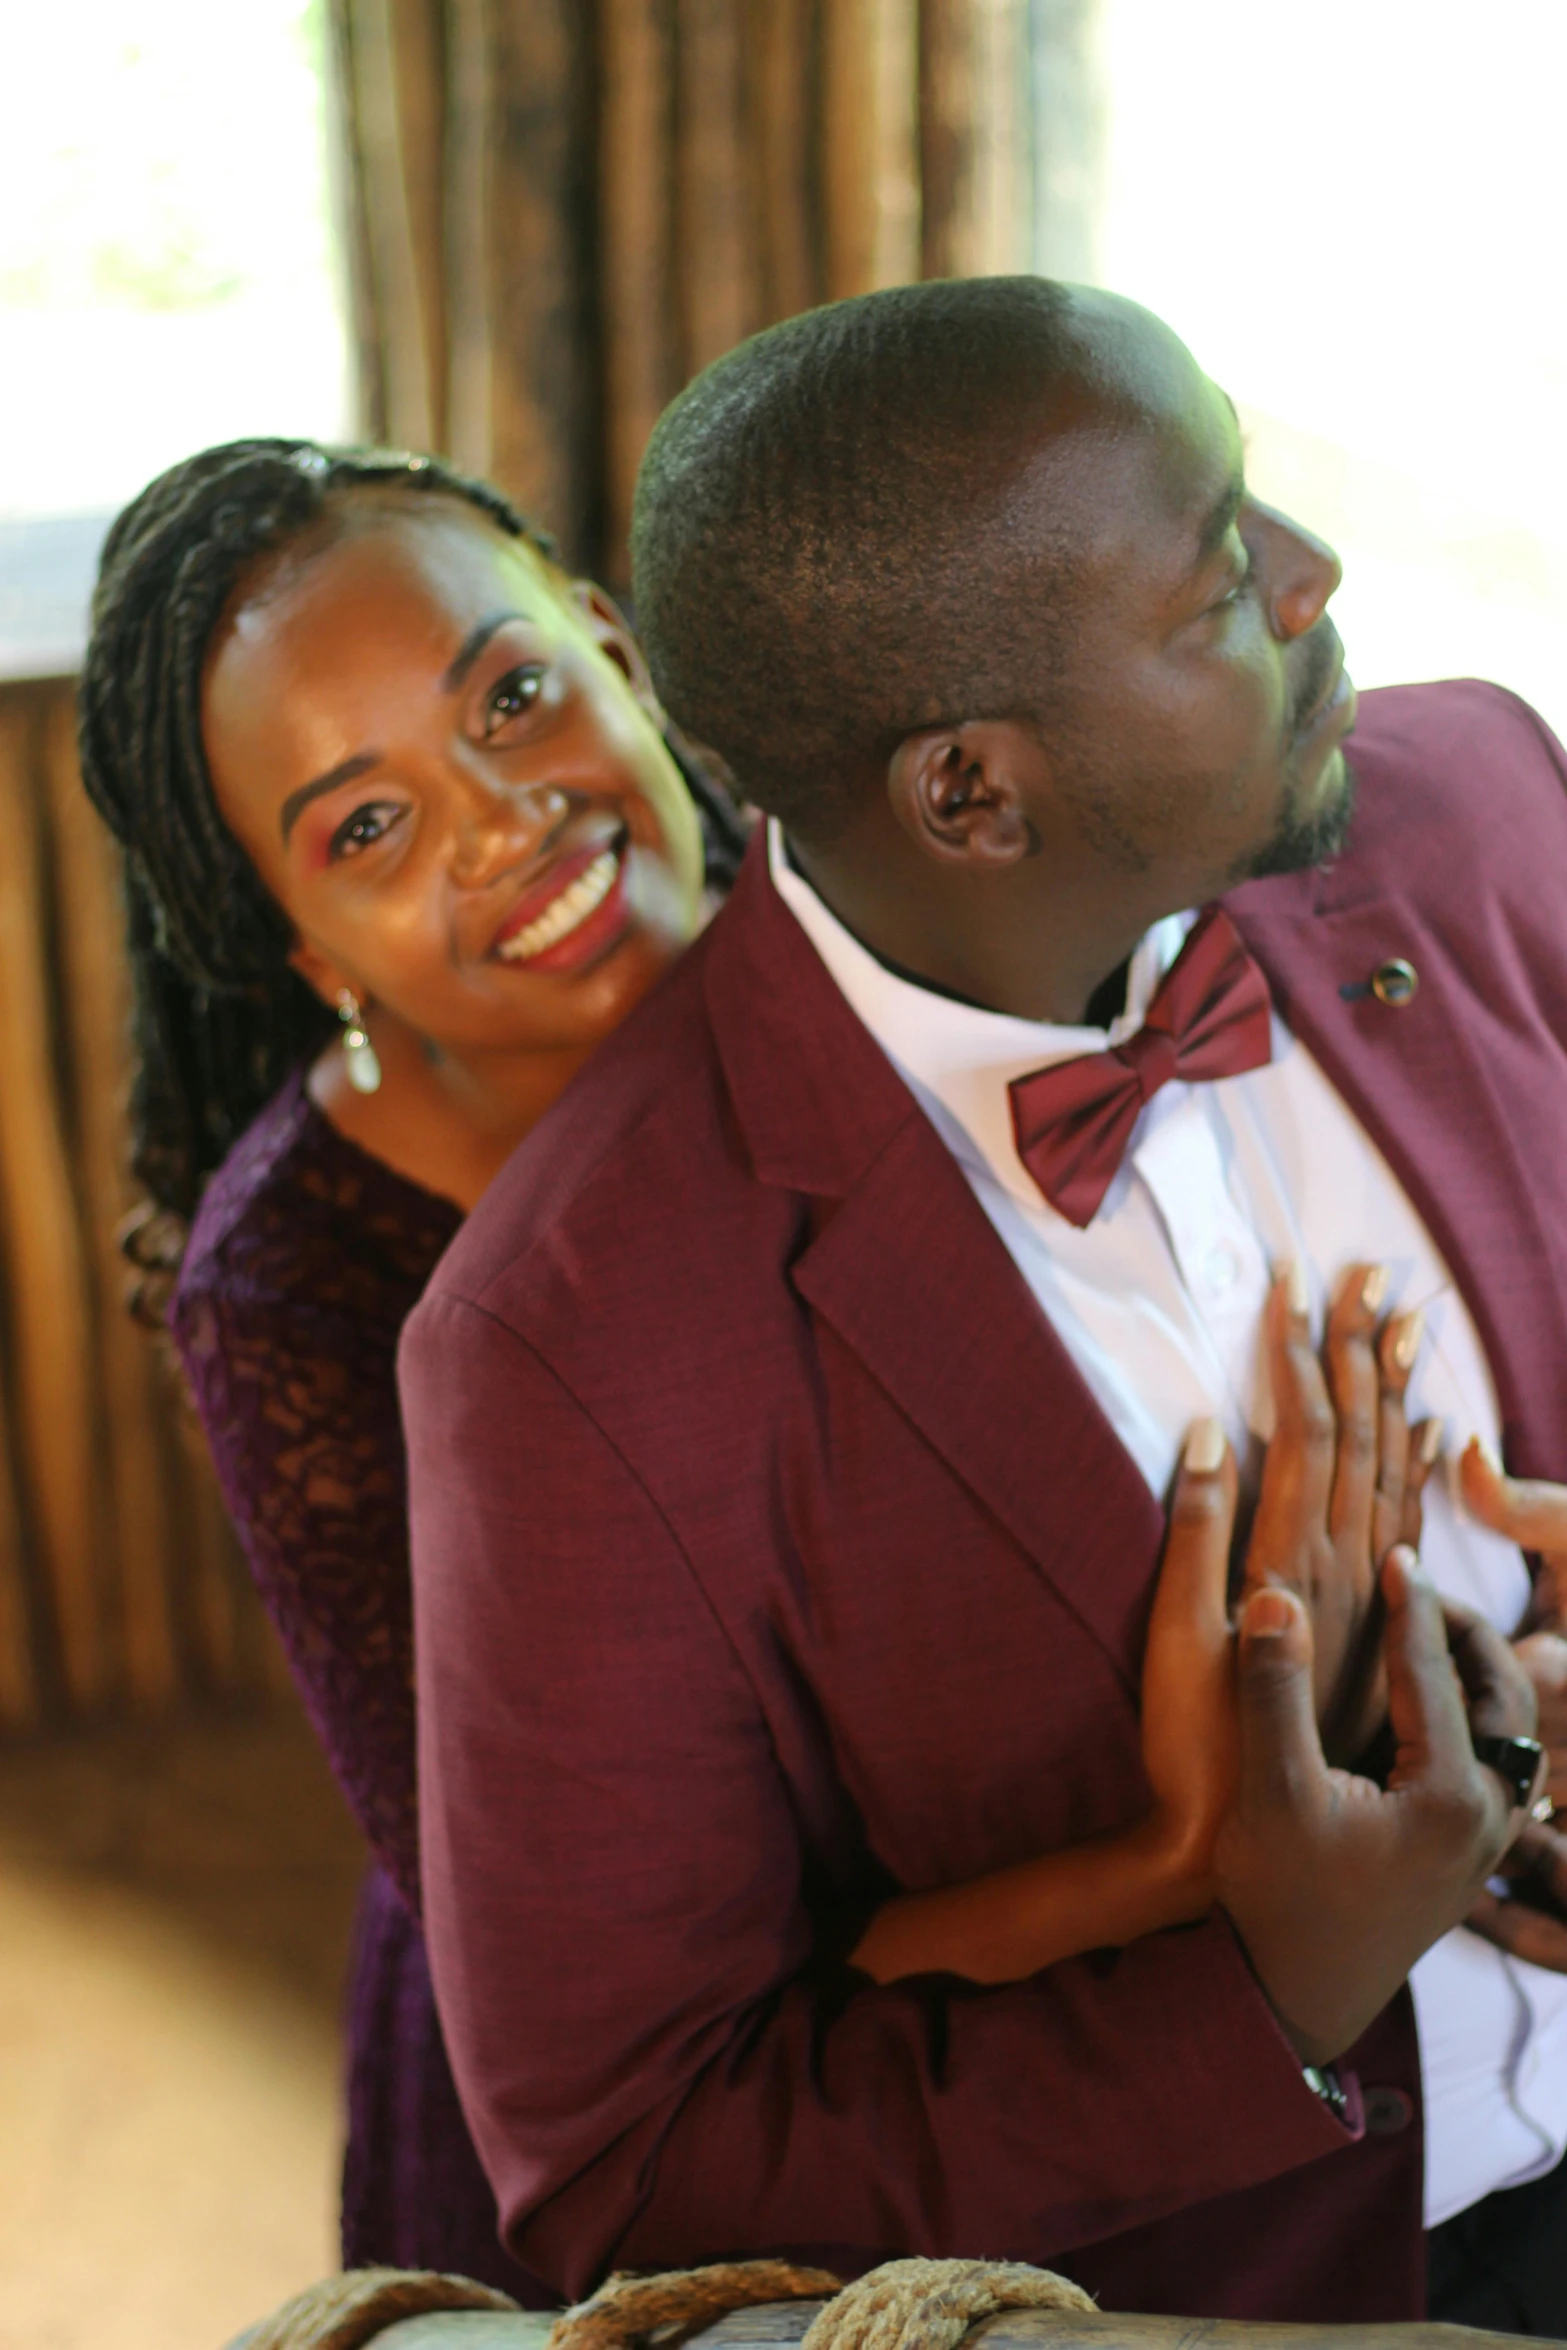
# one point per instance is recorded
(789, 1428)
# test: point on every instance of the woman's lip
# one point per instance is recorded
(590, 938)
(538, 898)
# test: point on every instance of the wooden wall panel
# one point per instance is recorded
(121, 1587)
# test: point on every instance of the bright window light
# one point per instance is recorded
(168, 266)
(1354, 218)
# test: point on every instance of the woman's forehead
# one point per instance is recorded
(375, 552)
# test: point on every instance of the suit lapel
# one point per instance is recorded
(1464, 1092)
(904, 1266)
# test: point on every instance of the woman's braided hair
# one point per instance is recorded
(220, 1018)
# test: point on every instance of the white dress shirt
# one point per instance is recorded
(1159, 1302)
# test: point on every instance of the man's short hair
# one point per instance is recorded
(824, 556)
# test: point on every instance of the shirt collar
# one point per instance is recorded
(959, 1053)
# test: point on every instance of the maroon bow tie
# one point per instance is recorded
(1209, 1018)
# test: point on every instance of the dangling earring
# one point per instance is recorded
(359, 1055)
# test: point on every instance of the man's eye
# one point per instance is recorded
(1234, 591)
(365, 827)
(512, 695)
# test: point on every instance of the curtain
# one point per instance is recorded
(555, 212)
(558, 210)
(120, 1584)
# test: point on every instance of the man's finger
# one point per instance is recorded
(1425, 1699)
(1281, 1752)
(1498, 1691)
(1532, 1514)
(1527, 1933)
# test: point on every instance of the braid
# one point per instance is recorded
(220, 1018)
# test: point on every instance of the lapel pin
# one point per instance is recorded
(1392, 983)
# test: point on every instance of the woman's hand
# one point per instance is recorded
(1531, 1920)
(1533, 1515)
(1341, 1485)
(1189, 1724)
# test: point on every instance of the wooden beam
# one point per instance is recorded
(1019, 2329)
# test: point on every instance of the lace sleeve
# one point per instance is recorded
(297, 1398)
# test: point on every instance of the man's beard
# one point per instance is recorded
(1301, 840)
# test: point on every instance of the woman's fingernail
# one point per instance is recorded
(1407, 1344)
(1268, 1613)
(1205, 1447)
(1430, 1442)
(1374, 1288)
(1487, 1454)
(1295, 1290)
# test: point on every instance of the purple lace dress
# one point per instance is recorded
(305, 1258)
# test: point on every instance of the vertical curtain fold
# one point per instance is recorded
(121, 1589)
(555, 211)
(559, 210)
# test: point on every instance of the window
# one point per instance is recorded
(1353, 216)
(168, 272)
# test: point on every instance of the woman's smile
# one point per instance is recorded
(578, 909)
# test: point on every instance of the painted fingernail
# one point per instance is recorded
(1205, 1447)
(1374, 1288)
(1294, 1278)
(1407, 1344)
(1430, 1442)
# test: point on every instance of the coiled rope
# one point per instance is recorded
(903, 2305)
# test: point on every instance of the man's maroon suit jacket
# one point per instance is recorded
(769, 1551)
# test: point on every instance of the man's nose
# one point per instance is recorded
(1302, 572)
(499, 825)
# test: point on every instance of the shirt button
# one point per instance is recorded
(1221, 1268)
(1387, 2112)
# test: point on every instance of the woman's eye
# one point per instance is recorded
(365, 827)
(512, 695)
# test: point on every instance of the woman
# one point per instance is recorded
(465, 918)
(405, 840)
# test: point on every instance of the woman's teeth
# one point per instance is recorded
(572, 907)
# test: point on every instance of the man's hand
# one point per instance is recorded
(1340, 1486)
(1335, 1885)
(1531, 1921)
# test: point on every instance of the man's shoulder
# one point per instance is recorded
(1453, 745)
(636, 1171)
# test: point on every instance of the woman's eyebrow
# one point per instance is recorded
(472, 646)
(344, 772)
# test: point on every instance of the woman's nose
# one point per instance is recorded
(498, 825)
(1303, 573)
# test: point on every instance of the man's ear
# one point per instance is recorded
(958, 792)
(611, 632)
